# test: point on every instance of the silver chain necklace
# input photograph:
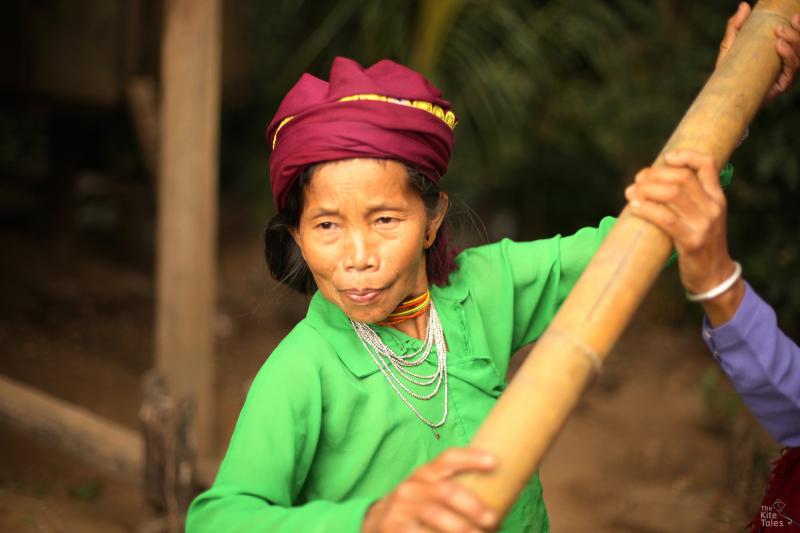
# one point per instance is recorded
(397, 368)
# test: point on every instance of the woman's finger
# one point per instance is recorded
(440, 518)
(686, 199)
(454, 461)
(788, 47)
(791, 62)
(467, 503)
(677, 186)
(654, 191)
(791, 36)
(670, 183)
(735, 23)
(665, 219)
(790, 33)
(705, 167)
(671, 174)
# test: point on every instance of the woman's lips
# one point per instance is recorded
(362, 296)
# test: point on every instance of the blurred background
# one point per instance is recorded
(559, 101)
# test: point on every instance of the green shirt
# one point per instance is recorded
(322, 435)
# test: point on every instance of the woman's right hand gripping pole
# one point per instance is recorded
(430, 500)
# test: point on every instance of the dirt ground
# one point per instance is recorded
(648, 450)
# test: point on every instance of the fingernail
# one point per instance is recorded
(636, 204)
(669, 155)
(487, 518)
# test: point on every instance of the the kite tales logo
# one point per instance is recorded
(775, 516)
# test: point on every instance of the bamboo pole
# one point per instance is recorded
(534, 407)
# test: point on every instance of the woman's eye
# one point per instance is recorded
(325, 225)
(385, 220)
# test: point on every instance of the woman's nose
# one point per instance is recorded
(360, 254)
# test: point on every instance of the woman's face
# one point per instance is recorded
(363, 231)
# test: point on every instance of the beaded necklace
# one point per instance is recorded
(397, 368)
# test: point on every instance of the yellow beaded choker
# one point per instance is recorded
(408, 309)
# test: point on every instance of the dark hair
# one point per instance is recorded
(287, 265)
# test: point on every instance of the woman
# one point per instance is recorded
(361, 220)
(358, 419)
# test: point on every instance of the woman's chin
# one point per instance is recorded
(368, 316)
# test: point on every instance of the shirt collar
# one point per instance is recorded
(334, 326)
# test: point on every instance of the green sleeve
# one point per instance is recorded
(268, 459)
(519, 286)
(543, 282)
(726, 175)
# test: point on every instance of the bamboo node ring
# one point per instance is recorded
(583, 348)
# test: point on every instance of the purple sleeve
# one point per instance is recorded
(763, 365)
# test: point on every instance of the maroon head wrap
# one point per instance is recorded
(385, 111)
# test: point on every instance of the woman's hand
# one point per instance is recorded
(685, 200)
(430, 500)
(787, 45)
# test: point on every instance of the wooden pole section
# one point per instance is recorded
(142, 98)
(528, 416)
(95, 440)
(187, 208)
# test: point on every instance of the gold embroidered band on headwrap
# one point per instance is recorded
(448, 117)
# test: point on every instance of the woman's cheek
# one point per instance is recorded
(408, 256)
(320, 256)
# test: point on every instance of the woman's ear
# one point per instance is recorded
(296, 236)
(436, 222)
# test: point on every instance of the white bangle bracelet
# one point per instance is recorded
(719, 289)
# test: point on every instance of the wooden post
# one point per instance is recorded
(169, 461)
(142, 97)
(187, 210)
(526, 419)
